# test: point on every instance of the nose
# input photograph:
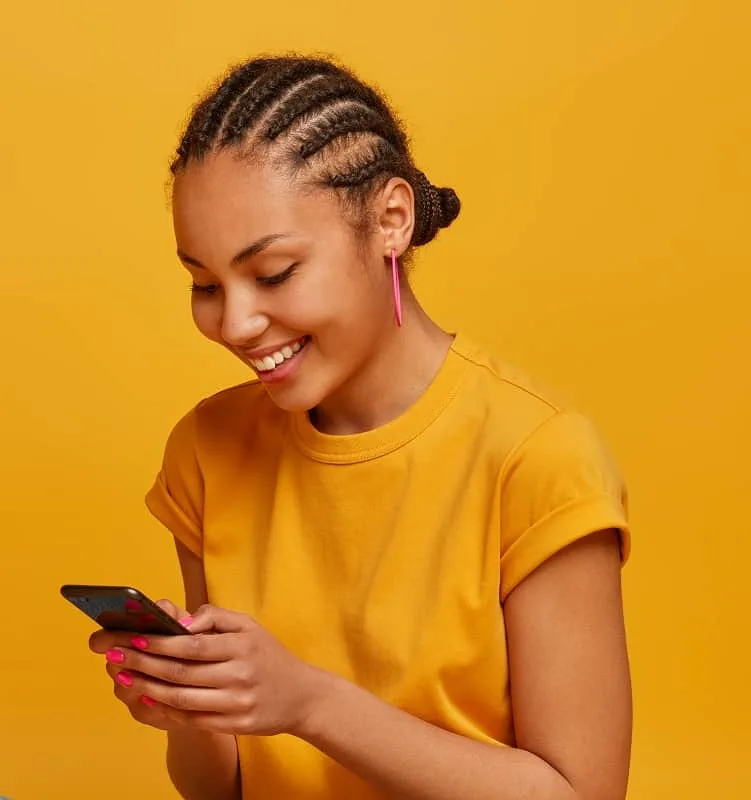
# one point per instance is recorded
(242, 320)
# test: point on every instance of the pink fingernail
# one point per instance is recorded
(148, 701)
(115, 656)
(124, 679)
(141, 642)
(186, 621)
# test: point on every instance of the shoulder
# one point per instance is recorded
(501, 378)
(231, 400)
(550, 450)
(513, 403)
(227, 417)
(558, 479)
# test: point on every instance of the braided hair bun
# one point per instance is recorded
(435, 208)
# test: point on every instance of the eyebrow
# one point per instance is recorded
(244, 255)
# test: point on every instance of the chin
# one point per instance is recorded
(293, 399)
(306, 385)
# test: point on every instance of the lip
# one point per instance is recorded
(262, 352)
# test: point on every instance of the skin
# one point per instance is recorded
(567, 649)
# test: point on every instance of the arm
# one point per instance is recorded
(201, 764)
(570, 693)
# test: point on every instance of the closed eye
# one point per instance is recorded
(280, 277)
(211, 288)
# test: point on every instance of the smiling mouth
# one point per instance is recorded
(270, 362)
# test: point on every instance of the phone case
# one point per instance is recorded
(122, 608)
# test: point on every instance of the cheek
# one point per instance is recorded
(348, 299)
(208, 318)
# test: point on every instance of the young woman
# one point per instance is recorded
(403, 560)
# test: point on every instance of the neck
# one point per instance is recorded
(405, 364)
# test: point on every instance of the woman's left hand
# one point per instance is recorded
(229, 676)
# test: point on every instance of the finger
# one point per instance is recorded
(199, 647)
(220, 620)
(176, 671)
(147, 711)
(123, 680)
(205, 720)
(101, 641)
(105, 641)
(185, 698)
(175, 611)
(112, 670)
(127, 696)
(124, 688)
(122, 685)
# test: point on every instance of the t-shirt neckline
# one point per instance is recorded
(365, 446)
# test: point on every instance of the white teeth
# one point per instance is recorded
(271, 361)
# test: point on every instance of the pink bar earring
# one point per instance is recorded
(397, 293)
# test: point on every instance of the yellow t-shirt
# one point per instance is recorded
(386, 556)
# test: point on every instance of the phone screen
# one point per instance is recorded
(122, 608)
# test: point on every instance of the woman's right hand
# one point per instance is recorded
(142, 709)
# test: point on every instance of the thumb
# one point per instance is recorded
(212, 619)
(176, 612)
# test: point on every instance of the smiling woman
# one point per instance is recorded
(397, 550)
(285, 233)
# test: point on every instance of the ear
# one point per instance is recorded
(395, 210)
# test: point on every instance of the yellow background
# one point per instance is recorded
(601, 150)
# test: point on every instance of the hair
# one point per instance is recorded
(314, 116)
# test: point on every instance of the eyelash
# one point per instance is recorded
(273, 280)
(280, 277)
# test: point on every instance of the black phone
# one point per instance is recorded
(122, 608)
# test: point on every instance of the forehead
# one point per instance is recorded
(224, 202)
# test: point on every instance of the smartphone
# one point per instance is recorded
(122, 608)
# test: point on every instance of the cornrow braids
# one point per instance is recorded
(306, 99)
(379, 160)
(322, 119)
(207, 117)
(266, 92)
(340, 120)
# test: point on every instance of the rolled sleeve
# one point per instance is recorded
(176, 496)
(559, 486)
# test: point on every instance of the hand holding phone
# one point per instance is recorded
(122, 608)
(122, 611)
(169, 683)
